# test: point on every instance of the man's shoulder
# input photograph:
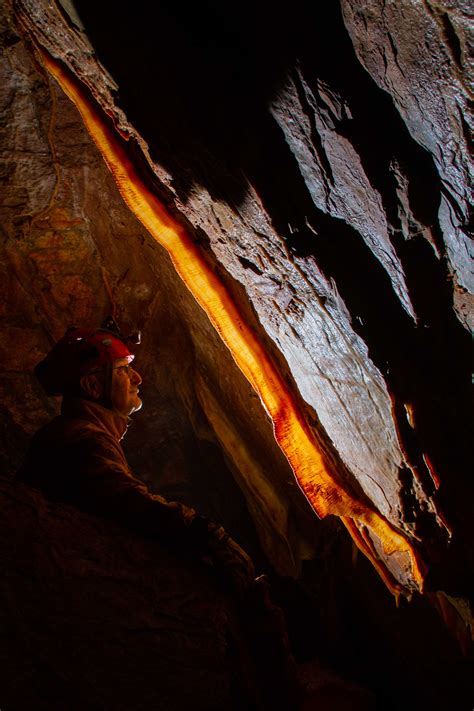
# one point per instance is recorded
(69, 431)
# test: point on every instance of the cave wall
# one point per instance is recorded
(320, 165)
(72, 254)
(402, 46)
(322, 209)
(312, 187)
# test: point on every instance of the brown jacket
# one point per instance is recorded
(77, 458)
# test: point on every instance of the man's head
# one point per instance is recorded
(94, 364)
(115, 386)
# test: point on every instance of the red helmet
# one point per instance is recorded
(80, 351)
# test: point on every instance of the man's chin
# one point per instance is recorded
(137, 405)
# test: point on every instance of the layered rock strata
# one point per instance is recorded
(330, 204)
(320, 228)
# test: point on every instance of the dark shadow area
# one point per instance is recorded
(341, 613)
(12, 441)
(196, 82)
(193, 79)
(415, 663)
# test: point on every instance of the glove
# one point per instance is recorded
(209, 542)
(231, 562)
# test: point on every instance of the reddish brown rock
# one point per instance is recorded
(330, 171)
(319, 201)
(76, 254)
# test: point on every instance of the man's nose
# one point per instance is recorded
(136, 377)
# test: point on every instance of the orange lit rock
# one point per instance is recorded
(325, 493)
(350, 372)
(314, 211)
(87, 256)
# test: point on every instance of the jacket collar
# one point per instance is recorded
(81, 409)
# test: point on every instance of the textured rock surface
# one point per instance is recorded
(72, 253)
(95, 618)
(320, 202)
(302, 180)
(421, 54)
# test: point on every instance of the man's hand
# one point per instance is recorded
(210, 542)
(233, 564)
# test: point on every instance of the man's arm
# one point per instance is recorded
(104, 485)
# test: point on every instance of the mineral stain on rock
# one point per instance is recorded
(320, 166)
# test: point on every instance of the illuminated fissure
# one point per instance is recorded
(292, 433)
(365, 545)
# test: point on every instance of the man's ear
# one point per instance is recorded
(92, 385)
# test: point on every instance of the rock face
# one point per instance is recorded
(319, 168)
(86, 256)
(117, 614)
(324, 214)
(402, 46)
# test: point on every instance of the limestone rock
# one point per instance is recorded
(314, 198)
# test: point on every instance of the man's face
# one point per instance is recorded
(125, 382)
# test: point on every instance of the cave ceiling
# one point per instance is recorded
(283, 211)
